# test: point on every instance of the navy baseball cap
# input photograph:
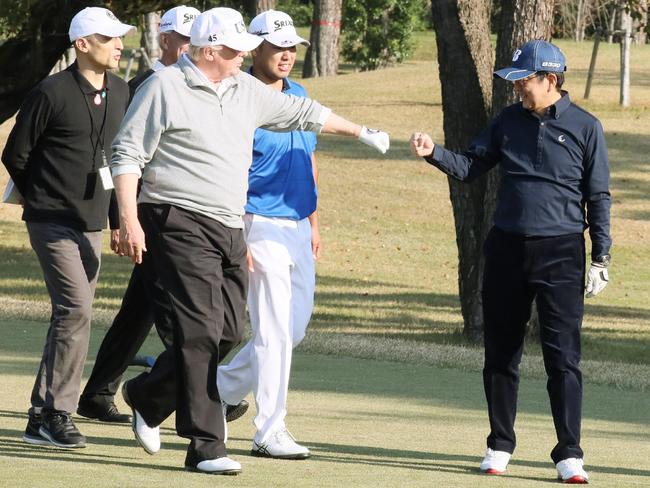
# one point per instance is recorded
(532, 57)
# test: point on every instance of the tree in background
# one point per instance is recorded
(254, 7)
(577, 19)
(149, 40)
(465, 64)
(322, 58)
(37, 37)
(378, 33)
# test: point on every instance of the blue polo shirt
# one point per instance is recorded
(554, 171)
(281, 178)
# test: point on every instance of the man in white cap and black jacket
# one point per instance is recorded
(190, 128)
(57, 155)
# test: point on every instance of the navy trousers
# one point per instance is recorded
(551, 270)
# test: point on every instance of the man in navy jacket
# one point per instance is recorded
(554, 170)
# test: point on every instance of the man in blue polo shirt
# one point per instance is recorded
(283, 242)
(554, 170)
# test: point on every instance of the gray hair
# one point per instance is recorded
(195, 51)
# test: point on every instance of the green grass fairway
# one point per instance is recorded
(368, 423)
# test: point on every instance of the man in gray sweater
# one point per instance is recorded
(189, 133)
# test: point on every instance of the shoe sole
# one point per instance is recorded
(575, 480)
(237, 412)
(36, 441)
(296, 457)
(127, 400)
(46, 435)
(226, 472)
(493, 471)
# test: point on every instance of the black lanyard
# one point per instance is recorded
(98, 142)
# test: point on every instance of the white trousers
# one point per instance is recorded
(280, 303)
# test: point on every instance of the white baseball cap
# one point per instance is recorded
(179, 19)
(222, 26)
(277, 28)
(96, 20)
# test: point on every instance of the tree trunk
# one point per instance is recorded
(149, 41)
(254, 7)
(626, 40)
(465, 66)
(68, 57)
(465, 60)
(322, 58)
(36, 48)
(640, 24)
(263, 5)
(612, 23)
(520, 21)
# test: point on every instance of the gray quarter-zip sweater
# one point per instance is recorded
(192, 144)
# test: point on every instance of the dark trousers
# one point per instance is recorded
(551, 270)
(202, 265)
(144, 303)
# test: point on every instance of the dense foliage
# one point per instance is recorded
(377, 33)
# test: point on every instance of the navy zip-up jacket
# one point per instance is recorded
(554, 171)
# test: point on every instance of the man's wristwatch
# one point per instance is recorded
(603, 260)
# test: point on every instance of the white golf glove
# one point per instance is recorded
(375, 138)
(597, 279)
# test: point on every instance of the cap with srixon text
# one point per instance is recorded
(179, 19)
(532, 57)
(277, 28)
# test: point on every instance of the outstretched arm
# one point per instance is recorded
(335, 124)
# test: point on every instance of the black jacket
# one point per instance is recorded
(54, 150)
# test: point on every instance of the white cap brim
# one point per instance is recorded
(283, 40)
(242, 42)
(115, 30)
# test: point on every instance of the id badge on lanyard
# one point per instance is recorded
(105, 174)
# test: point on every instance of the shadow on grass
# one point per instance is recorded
(321, 452)
(436, 461)
(25, 451)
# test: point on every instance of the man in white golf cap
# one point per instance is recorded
(174, 40)
(191, 127)
(281, 227)
(136, 316)
(57, 154)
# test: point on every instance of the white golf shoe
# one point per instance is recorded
(280, 445)
(147, 437)
(571, 471)
(495, 462)
(222, 465)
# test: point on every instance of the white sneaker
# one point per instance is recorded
(147, 437)
(571, 471)
(280, 445)
(222, 465)
(495, 462)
